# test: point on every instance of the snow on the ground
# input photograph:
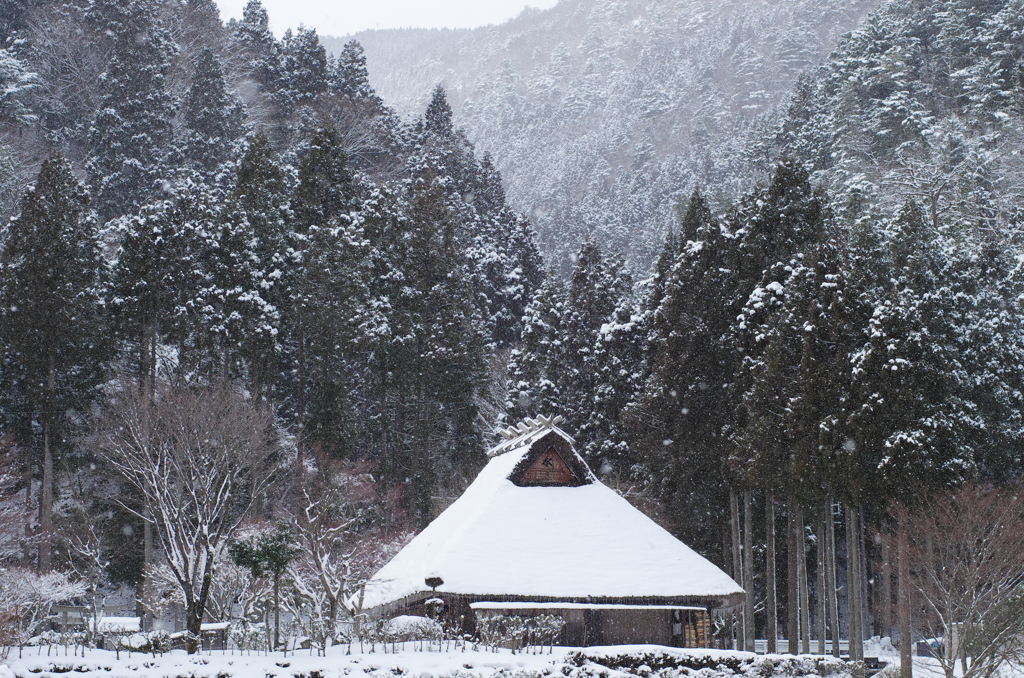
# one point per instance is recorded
(337, 664)
(415, 662)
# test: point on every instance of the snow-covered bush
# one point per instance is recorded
(26, 598)
(407, 627)
(708, 664)
(519, 632)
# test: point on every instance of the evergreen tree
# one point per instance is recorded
(325, 187)
(595, 290)
(436, 356)
(132, 133)
(438, 117)
(212, 116)
(302, 73)
(51, 314)
(253, 36)
(682, 421)
(349, 77)
(535, 364)
(259, 200)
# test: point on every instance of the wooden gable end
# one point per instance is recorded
(551, 462)
(548, 469)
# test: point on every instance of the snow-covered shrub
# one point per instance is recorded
(407, 627)
(248, 636)
(26, 598)
(709, 664)
(519, 632)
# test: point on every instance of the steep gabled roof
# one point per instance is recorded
(575, 541)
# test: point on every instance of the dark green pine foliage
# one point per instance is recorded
(302, 64)
(597, 287)
(132, 134)
(438, 117)
(51, 290)
(990, 290)
(799, 378)
(325, 187)
(13, 15)
(682, 421)
(51, 320)
(437, 357)
(268, 555)
(233, 316)
(501, 244)
(213, 118)
(333, 294)
(323, 197)
(259, 200)
(255, 42)
(781, 330)
(148, 284)
(934, 373)
(534, 365)
(349, 77)
(619, 364)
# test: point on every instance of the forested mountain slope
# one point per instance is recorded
(924, 101)
(600, 114)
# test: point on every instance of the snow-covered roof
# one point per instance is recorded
(117, 624)
(574, 542)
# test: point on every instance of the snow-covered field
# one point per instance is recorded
(594, 662)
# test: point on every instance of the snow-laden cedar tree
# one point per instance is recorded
(687, 402)
(131, 138)
(213, 118)
(200, 456)
(51, 316)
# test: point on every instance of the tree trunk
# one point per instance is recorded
(819, 586)
(193, 626)
(830, 576)
(332, 620)
(792, 602)
(863, 574)
(737, 573)
(46, 493)
(277, 610)
(885, 604)
(772, 622)
(46, 502)
(748, 573)
(147, 584)
(801, 577)
(903, 591)
(853, 585)
(26, 544)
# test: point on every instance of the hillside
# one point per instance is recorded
(600, 114)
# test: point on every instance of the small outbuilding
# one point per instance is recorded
(538, 534)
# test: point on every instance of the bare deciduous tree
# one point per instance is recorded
(965, 550)
(198, 457)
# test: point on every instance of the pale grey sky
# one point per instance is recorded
(342, 17)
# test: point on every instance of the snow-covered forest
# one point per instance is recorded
(257, 327)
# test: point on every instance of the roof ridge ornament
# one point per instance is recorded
(525, 427)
